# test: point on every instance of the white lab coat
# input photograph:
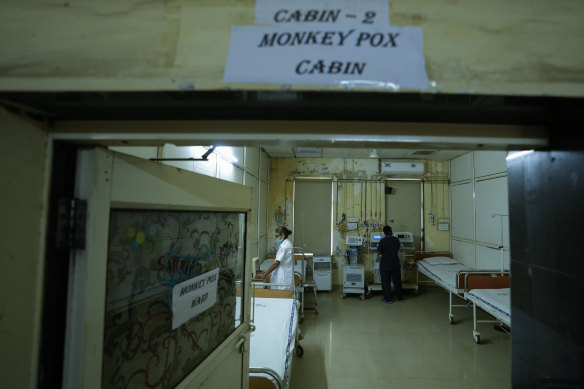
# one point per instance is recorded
(284, 274)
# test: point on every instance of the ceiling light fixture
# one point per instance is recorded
(373, 154)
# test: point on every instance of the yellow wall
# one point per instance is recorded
(350, 198)
(530, 47)
(24, 156)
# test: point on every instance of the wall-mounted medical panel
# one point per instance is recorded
(489, 162)
(461, 168)
(463, 252)
(492, 202)
(462, 211)
(489, 258)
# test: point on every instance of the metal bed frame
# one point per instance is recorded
(499, 318)
(281, 382)
(458, 292)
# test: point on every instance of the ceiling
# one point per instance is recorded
(360, 153)
(410, 125)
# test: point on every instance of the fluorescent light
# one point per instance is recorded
(517, 154)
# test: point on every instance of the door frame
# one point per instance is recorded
(106, 180)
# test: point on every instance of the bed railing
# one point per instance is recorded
(486, 279)
(270, 372)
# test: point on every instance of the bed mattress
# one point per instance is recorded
(496, 302)
(274, 337)
(443, 274)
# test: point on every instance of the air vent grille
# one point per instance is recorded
(423, 152)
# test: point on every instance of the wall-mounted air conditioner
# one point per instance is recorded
(402, 168)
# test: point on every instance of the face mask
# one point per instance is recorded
(279, 240)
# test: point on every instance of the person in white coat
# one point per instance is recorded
(282, 269)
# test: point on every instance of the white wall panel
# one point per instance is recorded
(463, 252)
(461, 168)
(491, 198)
(263, 209)
(462, 211)
(252, 159)
(145, 152)
(264, 165)
(263, 247)
(490, 259)
(489, 162)
(172, 151)
(229, 172)
(232, 154)
(208, 168)
(253, 182)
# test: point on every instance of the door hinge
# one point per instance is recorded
(71, 224)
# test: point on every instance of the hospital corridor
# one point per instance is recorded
(411, 345)
(275, 194)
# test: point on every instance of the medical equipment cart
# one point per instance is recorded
(322, 272)
(353, 273)
(406, 253)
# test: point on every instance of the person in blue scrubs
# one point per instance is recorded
(389, 266)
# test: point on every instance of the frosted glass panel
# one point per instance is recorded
(490, 259)
(463, 252)
(461, 168)
(491, 198)
(462, 211)
(489, 162)
(149, 253)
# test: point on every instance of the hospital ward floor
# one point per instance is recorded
(369, 344)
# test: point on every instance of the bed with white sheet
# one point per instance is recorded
(275, 338)
(496, 302)
(446, 272)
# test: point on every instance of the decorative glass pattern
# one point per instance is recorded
(149, 252)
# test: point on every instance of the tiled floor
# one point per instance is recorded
(367, 344)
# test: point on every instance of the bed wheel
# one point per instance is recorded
(451, 319)
(299, 351)
(362, 297)
(343, 295)
(415, 292)
(477, 339)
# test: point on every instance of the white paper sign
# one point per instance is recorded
(386, 57)
(191, 297)
(339, 12)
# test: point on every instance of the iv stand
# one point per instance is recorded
(501, 246)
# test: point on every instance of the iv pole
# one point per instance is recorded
(501, 246)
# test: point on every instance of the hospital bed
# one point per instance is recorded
(275, 338)
(491, 292)
(302, 262)
(446, 272)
